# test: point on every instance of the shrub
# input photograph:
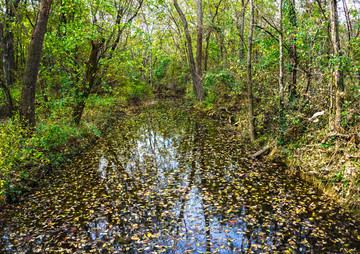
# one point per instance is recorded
(24, 160)
(218, 86)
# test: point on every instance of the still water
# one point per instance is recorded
(169, 181)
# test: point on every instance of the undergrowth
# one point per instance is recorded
(330, 161)
(26, 160)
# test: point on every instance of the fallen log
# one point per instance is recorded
(258, 153)
(262, 151)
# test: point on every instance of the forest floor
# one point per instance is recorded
(330, 161)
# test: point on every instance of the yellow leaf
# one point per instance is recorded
(135, 238)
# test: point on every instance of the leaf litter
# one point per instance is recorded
(169, 181)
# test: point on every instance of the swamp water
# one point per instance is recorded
(169, 181)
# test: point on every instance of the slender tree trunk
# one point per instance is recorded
(348, 25)
(241, 26)
(8, 52)
(338, 74)
(189, 45)
(98, 49)
(89, 81)
(293, 51)
(209, 35)
(207, 50)
(8, 58)
(27, 103)
(281, 67)
(151, 80)
(249, 75)
(144, 63)
(308, 74)
(193, 69)
(8, 96)
(199, 50)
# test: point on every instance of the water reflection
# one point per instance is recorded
(167, 181)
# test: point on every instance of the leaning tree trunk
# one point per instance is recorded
(89, 80)
(338, 74)
(27, 103)
(249, 75)
(194, 77)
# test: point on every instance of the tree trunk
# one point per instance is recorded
(207, 50)
(348, 25)
(8, 96)
(89, 80)
(209, 35)
(281, 68)
(293, 51)
(27, 103)
(193, 69)
(8, 52)
(241, 26)
(8, 57)
(338, 74)
(199, 51)
(249, 75)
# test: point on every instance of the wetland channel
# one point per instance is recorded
(168, 180)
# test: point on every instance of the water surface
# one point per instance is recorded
(169, 181)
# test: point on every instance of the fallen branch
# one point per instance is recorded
(314, 118)
(262, 151)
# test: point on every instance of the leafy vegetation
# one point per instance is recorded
(283, 75)
(25, 161)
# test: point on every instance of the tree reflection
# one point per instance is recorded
(171, 182)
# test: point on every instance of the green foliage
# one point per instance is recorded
(161, 69)
(25, 159)
(218, 86)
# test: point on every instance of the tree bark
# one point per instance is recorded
(208, 37)
(207, 51)
(8, 52)
(98, 49)
(293, 51)
(281, 66)
(27, 103)
(193, 70)
(249, 75)
(338, 74)
(8, 96)
(348, 24)
(200, 83)
(83, 92)
(241, 26)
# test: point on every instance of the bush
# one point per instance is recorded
(218, 87)
(24, 160)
